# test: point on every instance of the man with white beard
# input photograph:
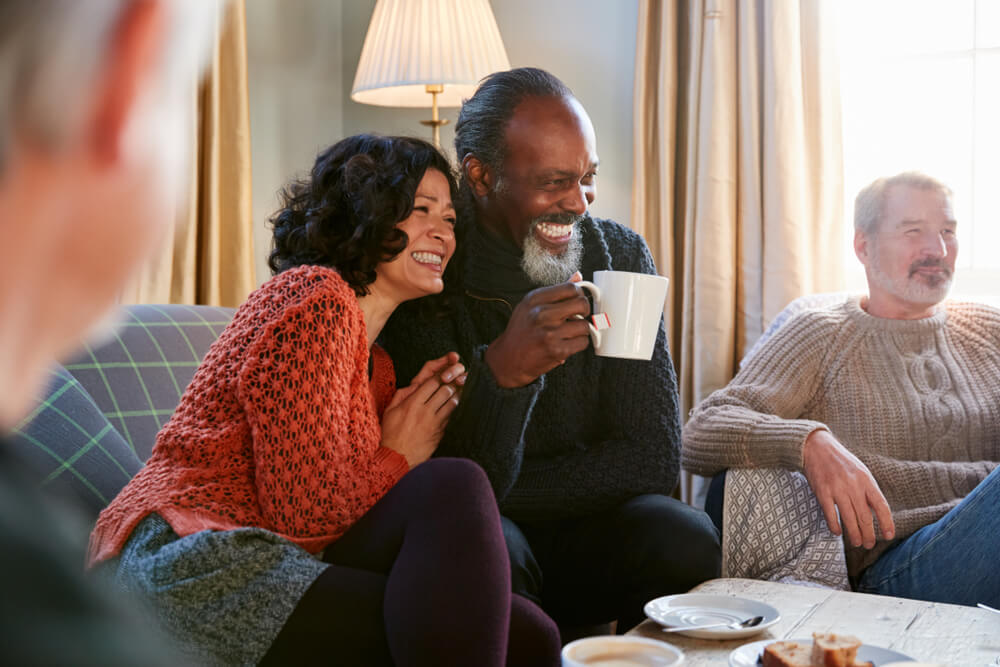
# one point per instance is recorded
(582, 451)
(889, 404)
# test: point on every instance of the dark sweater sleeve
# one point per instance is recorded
(488, 425)
(50, 612)
(638, 402)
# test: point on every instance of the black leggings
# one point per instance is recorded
(422, 579)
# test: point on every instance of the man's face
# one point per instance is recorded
(910, 259)
(548, 178)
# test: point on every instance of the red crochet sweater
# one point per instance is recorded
(279, 428)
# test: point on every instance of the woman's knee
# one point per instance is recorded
(534, 637)
(453, 480)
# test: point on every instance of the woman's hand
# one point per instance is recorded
(415, 418)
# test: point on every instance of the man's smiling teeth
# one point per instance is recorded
(427, 258)
(553, 231)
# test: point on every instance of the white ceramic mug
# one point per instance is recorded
(620, 651)
(627, 311)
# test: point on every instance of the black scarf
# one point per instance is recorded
(493, 266)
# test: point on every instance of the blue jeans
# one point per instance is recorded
(951, 560)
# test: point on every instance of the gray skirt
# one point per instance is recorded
(222, 595)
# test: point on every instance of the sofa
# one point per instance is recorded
(97, 419)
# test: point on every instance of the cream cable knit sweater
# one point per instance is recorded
(918, 401)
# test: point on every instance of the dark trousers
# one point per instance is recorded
(605, 567)
(421, 579)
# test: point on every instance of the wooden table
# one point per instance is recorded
(928, 631)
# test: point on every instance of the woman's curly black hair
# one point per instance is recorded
(344, 215)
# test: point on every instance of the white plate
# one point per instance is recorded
(692, 609)
(620, 650)
(748, 654)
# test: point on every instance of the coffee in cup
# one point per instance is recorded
(620, 651)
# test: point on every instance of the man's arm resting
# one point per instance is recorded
(842, 483)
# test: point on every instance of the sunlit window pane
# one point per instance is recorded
(920, 84)
(904, 27)
(985, 249)
(987, 24)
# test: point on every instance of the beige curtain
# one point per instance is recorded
(209, 257)
(738, 170)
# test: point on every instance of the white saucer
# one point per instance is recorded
(691, 609)
(748, 654)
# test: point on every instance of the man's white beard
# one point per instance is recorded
(912, 289)
(544, 268)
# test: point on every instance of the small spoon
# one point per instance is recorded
(988, 608)
(735, 625)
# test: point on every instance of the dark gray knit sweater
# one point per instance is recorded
(585, 436)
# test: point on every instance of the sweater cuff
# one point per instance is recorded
(485, 374)
(776, 442)
(392, 462)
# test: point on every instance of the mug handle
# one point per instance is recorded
(595, 292)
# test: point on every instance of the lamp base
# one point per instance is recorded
(435, 125)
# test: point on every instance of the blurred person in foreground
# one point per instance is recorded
(291, 486)
(93, 119)
(888, 403)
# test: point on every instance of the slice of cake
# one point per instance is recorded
(830, 650)
(787, 654)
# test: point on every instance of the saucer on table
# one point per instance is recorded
(694, 609)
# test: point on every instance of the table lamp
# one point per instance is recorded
(421, 53)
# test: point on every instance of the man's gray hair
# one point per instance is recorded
(869, 206)
(51, 52)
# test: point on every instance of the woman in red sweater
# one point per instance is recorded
(289, 513)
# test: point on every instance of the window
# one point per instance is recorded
(920, 85)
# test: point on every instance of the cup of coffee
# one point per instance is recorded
(627, 311)
(620, 651)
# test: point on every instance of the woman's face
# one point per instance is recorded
(418, 270)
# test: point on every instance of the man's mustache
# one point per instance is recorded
(930, 263)
(558, 219)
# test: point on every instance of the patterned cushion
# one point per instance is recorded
(72, 447)
(138, 377)
(102, 411)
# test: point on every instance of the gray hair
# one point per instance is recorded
(51, 52)
(869, 206)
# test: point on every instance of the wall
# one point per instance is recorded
(296, 97)
(302, 55)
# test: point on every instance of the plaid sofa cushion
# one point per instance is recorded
(72, 447)
(101, 412)
(138, 376)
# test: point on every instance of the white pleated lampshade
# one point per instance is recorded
(414, 43)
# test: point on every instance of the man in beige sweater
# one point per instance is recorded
(889, 404)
